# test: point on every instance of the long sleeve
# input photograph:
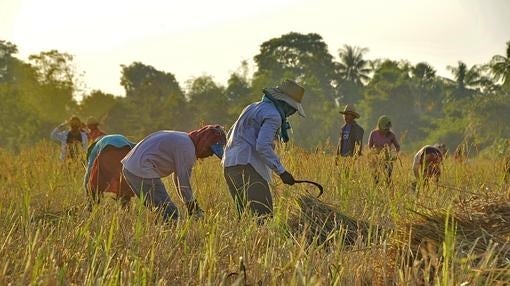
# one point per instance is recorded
(84, 140)
(184, 162)
(182, 181)
(58, 135)
(371, 140)
(265, 141)
(417, 163)
(395, 143)
(360, 141)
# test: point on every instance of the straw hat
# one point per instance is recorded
(292, 93)
(92, 121)
(349, 109)
(74, 121)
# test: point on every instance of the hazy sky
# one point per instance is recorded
(196, 37)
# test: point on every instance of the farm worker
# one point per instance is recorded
(381, 141)
(249, 154)
(351, 135)
(94, 131)
(170, 152)
(427, 162)
(104, 168)
(73, 140)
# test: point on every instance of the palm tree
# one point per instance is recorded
(423, 72)
(500, 66)
(467, 80)
(423, 79)
(352, 66)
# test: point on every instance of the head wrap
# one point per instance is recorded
(206, 137)
(384, 123)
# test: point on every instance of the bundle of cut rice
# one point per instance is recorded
(481, 227)
(320, 221)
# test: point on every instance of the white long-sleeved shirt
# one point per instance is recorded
(61, 136)
(161, 154)
(251, 140)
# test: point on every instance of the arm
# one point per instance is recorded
(360, 141)
(58, 134)
(395, 143)
(84, 140)
(416, 165)
(182, 183)
(264, 144)
(371, 140)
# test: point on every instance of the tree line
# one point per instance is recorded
(469, 109)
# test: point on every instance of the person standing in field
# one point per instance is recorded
(94, 131)
(104, 169)
(169, 152)
(351, 135)
(381, 141)
(249, 153)
(427, 163)
(73, 141)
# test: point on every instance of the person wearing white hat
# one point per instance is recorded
(93, 129)
(249, 154)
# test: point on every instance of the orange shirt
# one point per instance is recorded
(94, 134)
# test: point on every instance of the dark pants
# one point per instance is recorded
(249, 189)
(153, 193)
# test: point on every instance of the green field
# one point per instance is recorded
(453, 234)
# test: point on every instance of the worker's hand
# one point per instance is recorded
(287, 178)
(62, 125)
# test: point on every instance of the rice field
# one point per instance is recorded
(357, 233)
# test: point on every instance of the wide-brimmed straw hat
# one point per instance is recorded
(74, 121)
(349, 109)
(292, 93)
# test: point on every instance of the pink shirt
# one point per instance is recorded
(379, 140)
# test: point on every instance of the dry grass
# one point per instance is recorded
(357, 234)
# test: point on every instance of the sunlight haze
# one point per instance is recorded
(192, 38)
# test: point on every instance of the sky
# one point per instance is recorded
(192, 38)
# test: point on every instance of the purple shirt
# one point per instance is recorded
(379, 140)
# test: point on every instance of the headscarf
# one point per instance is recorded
(205, 137)
(384, 123)
(268, 97)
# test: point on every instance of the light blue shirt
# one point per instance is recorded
(251, 140)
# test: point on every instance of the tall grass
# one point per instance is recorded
(48, 237)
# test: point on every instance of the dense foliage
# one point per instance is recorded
(470, 109)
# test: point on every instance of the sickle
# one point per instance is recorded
(321, 189)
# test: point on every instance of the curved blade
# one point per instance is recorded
(319, 186)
